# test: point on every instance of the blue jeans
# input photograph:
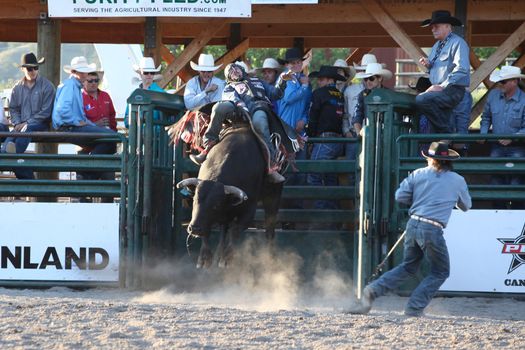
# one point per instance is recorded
(260, 124)
(437, 106)
(324, 151)
(21, 144)
(421, 240)
(461, 115)
(4, 128)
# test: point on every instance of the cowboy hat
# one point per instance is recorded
(327, 72)
(29, 60)
(341, 64)
(365, 61)
(270, 63)
(206, 63)
(422, 84)
(440, 151)
(441, 16)
(374, 69)
(79, 64)
(146, 64)
(291, 55)
(505, 73)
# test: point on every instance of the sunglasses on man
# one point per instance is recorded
(30, 69)
(372, 78)
(149, 73)
(96, 80)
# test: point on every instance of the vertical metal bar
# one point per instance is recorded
(131, 191)
(123, 234)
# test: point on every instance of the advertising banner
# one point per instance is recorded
(149, 8)
(277, 2)
(487, 251)
(59, 241)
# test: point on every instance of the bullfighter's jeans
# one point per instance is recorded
(21, 144)
(422, 239)
(437, 106)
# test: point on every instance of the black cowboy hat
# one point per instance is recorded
(327, 72)
(441, 16)
(29, 60)
(291, 55)
(423, 83)
(440, 151)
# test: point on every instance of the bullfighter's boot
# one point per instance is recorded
(201, 157)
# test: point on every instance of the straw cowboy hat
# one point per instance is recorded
(441, 16)
(327, 72)
(206, 63)
(365, 61)
(146, 64)
(374, 69)
(440, 151)
(505, 73)
(341, 64)
(29, 60)
(79, 64)
(270, 63)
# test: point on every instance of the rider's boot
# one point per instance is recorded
(275, 177)
(201, 157)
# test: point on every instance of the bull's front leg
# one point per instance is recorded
(205, 254)
(226, 254)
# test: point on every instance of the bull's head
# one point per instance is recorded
(209, 200)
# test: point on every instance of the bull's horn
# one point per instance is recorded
(237, 192)
(192, 181)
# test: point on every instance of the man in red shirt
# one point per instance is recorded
(97, 103)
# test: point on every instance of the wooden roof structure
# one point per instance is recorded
(361, 24)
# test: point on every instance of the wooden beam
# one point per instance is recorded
(357, 55)
(168, 57)
(153, 39)
(476, 63)
(497, 57)
(394, 29)
(197, 44)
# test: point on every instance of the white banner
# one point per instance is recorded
(274, 2)
(59, 241)
(150, 8)
(487, 251)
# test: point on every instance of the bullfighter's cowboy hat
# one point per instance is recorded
(505, 73)
(80, 64)
(206, 63)
(375, 69)
(29, 60)
(327, 72)
(292, 54)
(341, 64)
(440, 151)
(441, 16)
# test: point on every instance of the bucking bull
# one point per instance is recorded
(229, 185)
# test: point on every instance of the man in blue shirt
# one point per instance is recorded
(449, 70)
(432, 192)
(68, 111)
(505, 112)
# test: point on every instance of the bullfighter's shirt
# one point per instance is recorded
(326, 111)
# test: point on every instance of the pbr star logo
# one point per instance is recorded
(516, 247)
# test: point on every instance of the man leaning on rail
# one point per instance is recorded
(30, 107)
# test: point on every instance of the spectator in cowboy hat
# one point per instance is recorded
(326, 120)
(68, 111)
(449, 70)
(270, 70)
(432, 192)
(30, 107)
(367, 59)
(203, 88)
(505, 112)
(373, 78)
(148, 74)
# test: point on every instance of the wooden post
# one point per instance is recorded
(153, 39)
(48, 46)
(461, 14)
